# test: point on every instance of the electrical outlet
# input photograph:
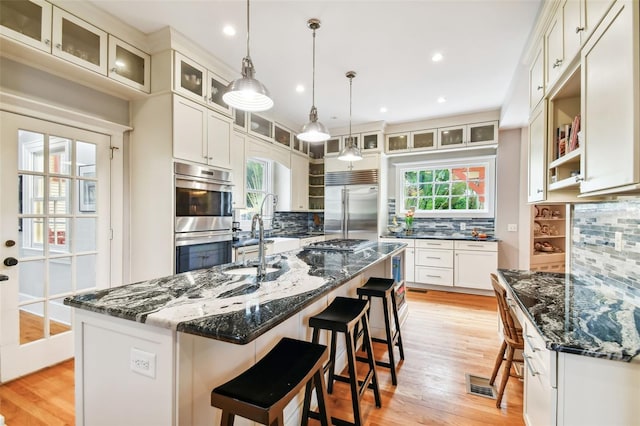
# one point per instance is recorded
(512, 227)
(618, 241)
(463, 226)
(143, 362)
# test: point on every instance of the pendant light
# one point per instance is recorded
(350, 152)
(314, 131)
(247, 93)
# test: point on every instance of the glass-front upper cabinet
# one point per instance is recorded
(482, 133)
(424, 139)
(28, 22)
(217, 87)
(316, 150)
(300, 146)
(79, 42)
(451, 137)
(371, 142)
(398, 142)
(332, 146)
(129, 65)
(260, 126)
(282, 136)
(240, 119)
(190, 78)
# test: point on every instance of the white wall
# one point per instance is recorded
(508, 197)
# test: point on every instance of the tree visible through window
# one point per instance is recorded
(257, 184)
(452, 188)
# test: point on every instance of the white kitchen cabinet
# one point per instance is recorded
(261, 127)
(299, 182)
(424, 140)
(371, 142)
(332, 146)
(200, 134)
(368, 162)
(434, 262)
(536, 78)
(79, 42)
(451, 137)
(189, 78)
(129, 65)
(397, 142)
(554, 49)
(572, 29)
(610, 86)
(468, 135)
(238, 171)
(536, 157)
(592, 12)
(474, 262)
(28, 22)
(216, 87)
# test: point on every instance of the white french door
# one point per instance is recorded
(54, 236)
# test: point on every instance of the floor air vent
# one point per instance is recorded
(480, 386)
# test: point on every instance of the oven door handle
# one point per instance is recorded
(199, 183)
(193, 238)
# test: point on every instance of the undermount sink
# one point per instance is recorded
(249, 270)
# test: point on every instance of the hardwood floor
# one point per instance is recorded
(445, 336)
(32, 327)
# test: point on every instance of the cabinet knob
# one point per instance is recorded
(579, 29)
(115, 70)
(47, 41)
(557, 63)
(58, 46)
(579, 178)
(10, 261)
(539, 88)
(539, 191)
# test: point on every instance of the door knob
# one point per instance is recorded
(3, 277)
(10, 261)
(9, 243)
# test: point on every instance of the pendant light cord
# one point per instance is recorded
(313, 78)
(350, 102)
(248, 30)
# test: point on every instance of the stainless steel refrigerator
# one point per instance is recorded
(351, 204)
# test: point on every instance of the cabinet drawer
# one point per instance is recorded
(541, 361)
(437, 258)
(438, 276)
(476, 245)
(439, 244)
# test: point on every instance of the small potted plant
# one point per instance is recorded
(408, 219)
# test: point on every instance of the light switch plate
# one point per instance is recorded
(512, 227)
(618, 241)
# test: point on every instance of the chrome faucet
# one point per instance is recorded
(257, 218)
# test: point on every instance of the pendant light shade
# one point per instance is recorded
(314, 131)
(247, 93)
(350, 152)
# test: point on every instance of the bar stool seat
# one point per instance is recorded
(342, 316)
(261, 392)
(383, 288)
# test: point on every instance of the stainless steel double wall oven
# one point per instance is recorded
(203, 217)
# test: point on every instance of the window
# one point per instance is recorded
(460, 188)
(258, 185)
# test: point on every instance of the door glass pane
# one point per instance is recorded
(60, 275)
(129, 65)
(86, 272)
(191, 78)
(31, 322)
(482, 133)
(370, 141)
(85, 234)
(59, 316)
(31, 281)
(23, 17)
(333, 145)
(260, 125)
(423, 140)
(59, 235)
(217, 90)
(451, 137)
(59, 155)
(239, 118)
(86, 159)
(31, 241)
(59, 196)
(80, 42)
(30, 149)
(30, 194)
(398, 142)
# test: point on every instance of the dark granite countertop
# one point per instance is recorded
(248, 241)
(234, 308)
(577, 317)
(440, 236)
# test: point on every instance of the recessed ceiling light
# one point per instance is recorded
(442, 100)
(383, 109)
(299, 88)
(229, 30)
(437, 57)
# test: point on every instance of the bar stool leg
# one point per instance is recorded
(372, 363)
(321, 395)
(227, 418)
(332, 363)
(306, 407)
(394, 305)
(390, 344)
(355, 393)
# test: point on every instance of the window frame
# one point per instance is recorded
(487, 161)
(247, 215)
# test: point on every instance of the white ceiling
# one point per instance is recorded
(388, 43)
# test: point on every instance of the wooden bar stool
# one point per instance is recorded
(341, 316)
(261, 392)
(512, 339)
(383, 289)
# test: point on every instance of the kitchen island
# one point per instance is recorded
(149, 353)
(582, 349)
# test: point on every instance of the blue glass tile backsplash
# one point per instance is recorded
(593, 253)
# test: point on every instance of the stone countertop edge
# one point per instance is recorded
(429, 236)
(232, 321)
(584, 341)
